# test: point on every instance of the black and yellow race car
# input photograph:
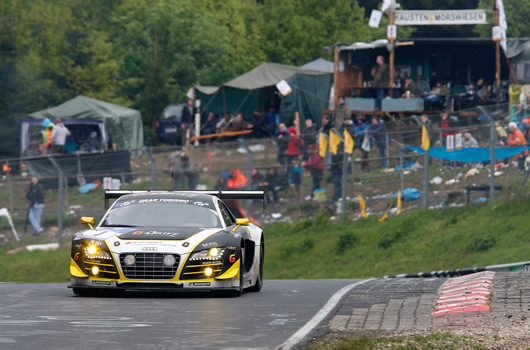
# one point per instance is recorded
(169, 240)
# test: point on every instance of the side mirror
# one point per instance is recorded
(87, 220)
(242, 222)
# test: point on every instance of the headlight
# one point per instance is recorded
(96, 250)
(210, 254)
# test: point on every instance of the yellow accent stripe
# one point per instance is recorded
(93, 263)
(75, 270)
(194, 273)
(179, 272)
(101, 271)
(204, 265)
(231, 272)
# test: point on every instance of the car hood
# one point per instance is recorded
(145, 233)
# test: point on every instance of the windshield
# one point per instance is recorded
(173, 111)
(161, 215)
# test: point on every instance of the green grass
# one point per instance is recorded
(441, 341)
(317, 247)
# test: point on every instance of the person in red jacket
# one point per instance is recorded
(315, 166)
(294, 147)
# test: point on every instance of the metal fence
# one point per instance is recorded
(377, 179)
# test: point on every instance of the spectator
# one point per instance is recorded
(502, 135)
(360, 132)
(343, 112)
(379, 131)
(327, 124)
(282, 138)
(259, 120)
(210, 125)
(336, 173)
(410, 89)
(94, 143)
(309, 135)
(47, 136)
(188, 119)
(398, 79)
(483, 91)
(273, 183)
(315, 166)
(236, 180)
(221, 182)
(190, 172)
(296, 178)
(223, 123)
(59, 135)
(516, 138)
(428, 126)
(238, 124)
(35, 196)
(294, 147)
(469, 141)
(272, 121)
(447, 125)
(256, 177)
(381, 79)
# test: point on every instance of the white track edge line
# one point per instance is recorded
(319, 316)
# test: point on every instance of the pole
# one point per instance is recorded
(153, 167)
(492, 151)
(250, 161)
(426, 181)
(402, 180)
(497, 60)
(336, 76)
(344, 183)
(391, 55)
(60, 200)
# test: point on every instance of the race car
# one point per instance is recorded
(168, 241)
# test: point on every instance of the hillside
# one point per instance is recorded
(322, 248)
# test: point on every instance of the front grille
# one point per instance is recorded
(149, 266)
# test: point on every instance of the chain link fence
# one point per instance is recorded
(74, 185)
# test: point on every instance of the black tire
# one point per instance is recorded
(259, 282)
(85, 292)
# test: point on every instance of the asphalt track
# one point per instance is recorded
(49, 316)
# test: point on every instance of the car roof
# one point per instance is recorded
(169, 194)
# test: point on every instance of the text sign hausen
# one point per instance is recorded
(449, 17)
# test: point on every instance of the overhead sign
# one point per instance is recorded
(446, 17)
(375, 18)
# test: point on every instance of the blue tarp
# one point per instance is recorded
(470, 155)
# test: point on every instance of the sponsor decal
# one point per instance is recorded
(237, 235)
(163, 200)
(210, 262)
(232, 258)
(151, 243)
(76, 256)
(186, 244)
(231, 248)
(200, 204)
(137, 233)
(149, 249)
(117, 244)
(199, 284)
(210, 245)
(101, 283)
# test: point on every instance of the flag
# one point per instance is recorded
(502, 22)
(425, 142)
(398, 203)
(384, 217)
(362, 205)
(322, 145)
(348, 142)
(334, 141)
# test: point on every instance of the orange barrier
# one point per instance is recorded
(224, 134)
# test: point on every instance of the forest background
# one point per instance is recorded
(146, 54)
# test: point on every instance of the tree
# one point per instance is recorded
(517, 14)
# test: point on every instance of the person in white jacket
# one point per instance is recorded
(60, 133)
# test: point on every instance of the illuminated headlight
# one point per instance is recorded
(169, 260)
(95, 270)
(129, 260)
(211, 254)
(208, 271)
(97, 250)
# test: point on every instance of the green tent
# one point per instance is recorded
(124, 125)
(257, 89)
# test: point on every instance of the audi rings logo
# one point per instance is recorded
(149, 249)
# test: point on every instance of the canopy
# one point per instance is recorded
(252, 90)
(470, 155)
(124, 125)
(320, 64)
